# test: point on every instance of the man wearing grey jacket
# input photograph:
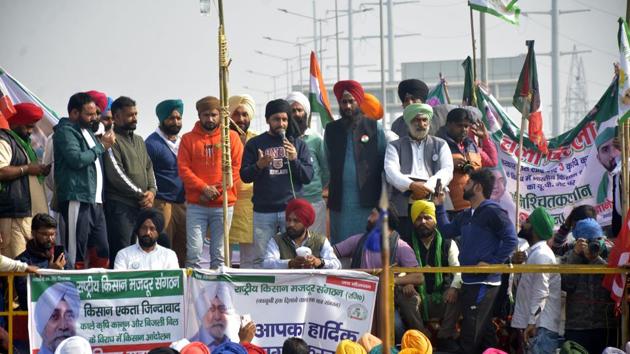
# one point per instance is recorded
(130, 182)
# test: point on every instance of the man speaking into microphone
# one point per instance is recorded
(278, 167)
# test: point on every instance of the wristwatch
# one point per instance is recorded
(321, 265)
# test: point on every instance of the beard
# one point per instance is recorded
(130, 126)
(243, 125)
(526, 234)
(423, 231)
(170, 129)
(349, 113)
(301, 123)
(146, 241)
(209, 126)
(416, 132)
(469, 194)
(294, 233)
(94, 125)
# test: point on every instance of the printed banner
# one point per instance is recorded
(578, 169)
(321, 307)
(116, 311)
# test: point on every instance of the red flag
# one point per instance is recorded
(619, 255)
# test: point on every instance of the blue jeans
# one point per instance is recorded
(265, 226)
(198, 220)
(546, 341)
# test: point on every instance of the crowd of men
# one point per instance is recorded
(302, 201)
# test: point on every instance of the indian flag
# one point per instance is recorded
(624, 68)
(318, 96)
(507, 10)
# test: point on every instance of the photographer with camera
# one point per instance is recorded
(465, 152)
(590, 319)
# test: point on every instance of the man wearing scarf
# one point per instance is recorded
(147, 254)
(200, 168)
(242, 110)
(299, 247)
(301, 115)
(21, 180)
(409, 91)
(279, 166)
(439, 291)
(79, 183)
(414, 163)
(355, 149)
(162, 147)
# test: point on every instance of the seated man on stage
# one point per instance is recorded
(297, 247)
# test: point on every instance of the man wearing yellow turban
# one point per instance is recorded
(415, 162)
(439, 292)
(242, 109)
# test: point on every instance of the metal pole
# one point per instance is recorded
(474, 49)
(286, 62)
(301, 78)
(390, 45)
(314, 27)
(555, 69)
(321, 57)
(350, 43)
(520, 159)
(482, 48)
(382, 39)
(337, 40)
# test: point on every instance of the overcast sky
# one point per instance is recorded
(152, 50)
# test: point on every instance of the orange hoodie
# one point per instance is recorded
(199, 163)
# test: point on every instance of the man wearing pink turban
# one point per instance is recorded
(355, 149)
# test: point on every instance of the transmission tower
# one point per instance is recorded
(576, 103)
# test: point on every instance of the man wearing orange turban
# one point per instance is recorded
(355, 149)
(298, 247)
(22, 176)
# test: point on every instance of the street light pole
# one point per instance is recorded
(337, 38)
(350, 43)
(314, 27)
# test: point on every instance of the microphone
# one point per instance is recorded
(283, 133)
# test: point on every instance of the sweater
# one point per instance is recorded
(272, 186)
(487, 235)
(170, 186)
(313, 190)
(128, 169)
(199, 160)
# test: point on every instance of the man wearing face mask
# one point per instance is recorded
(162, 147)
(283, 250)
(414, 163)
(465, 152)
(487, 237)
(147, 254)
(301, 115)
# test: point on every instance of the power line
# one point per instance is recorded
(598, 9)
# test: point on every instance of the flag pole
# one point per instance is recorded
(520, 159)
(474, 49)
(226, 151)
(443, 82)
(625, 185)
(386, 291)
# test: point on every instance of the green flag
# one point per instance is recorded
(469, 98)
(507, 10)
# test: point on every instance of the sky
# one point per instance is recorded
(153, 50)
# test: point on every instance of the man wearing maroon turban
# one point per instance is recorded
(297, 247)
(21, 180)
(355, 148)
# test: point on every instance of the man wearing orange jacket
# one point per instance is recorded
(199, 161)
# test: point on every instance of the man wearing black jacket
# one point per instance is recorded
(278, 168)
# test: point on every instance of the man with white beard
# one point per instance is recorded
(414, 163)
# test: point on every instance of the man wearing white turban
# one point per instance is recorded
(242, 109)
(56, 312)
(301, 116)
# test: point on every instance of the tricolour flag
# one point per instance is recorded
(527, 99)
(624, 69)
(506, 10)
(619, 255)
(318, 96)
(469, 98)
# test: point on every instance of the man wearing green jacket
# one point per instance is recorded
(130, 183)
(79, 183)
(301, 115)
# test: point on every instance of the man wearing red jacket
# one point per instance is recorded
(199, 162)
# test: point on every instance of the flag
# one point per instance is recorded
(619, 255)
(507, 10)
(438, 94)
(527, 99)
(318, 96)
(624, 68)
(469, 98)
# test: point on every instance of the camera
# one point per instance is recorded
(595, 246)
